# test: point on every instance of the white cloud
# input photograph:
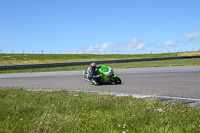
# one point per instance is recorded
(72, 51)
(97, 48)
(89, 49)
(134, 44)
(171, 43)
(191, 37)
(103, 47)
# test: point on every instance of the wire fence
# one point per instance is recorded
(92, 52)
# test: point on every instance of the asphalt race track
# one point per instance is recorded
(183, 81)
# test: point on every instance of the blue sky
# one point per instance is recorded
(99, 26)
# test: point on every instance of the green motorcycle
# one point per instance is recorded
(107, 73)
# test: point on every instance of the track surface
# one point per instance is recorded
(162, 81)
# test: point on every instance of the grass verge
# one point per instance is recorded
(63, 111)
(165, 63)
(19, 59)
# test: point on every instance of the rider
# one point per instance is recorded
(93, 74)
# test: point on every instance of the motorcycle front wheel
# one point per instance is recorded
(117, 80)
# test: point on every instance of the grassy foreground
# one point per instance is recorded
(63, 111)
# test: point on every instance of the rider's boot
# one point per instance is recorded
(95, 82)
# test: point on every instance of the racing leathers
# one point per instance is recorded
(93, 75)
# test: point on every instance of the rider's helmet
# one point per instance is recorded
(93, 66)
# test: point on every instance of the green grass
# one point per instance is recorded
(63, 111)
(166, 63)
(18, 59)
